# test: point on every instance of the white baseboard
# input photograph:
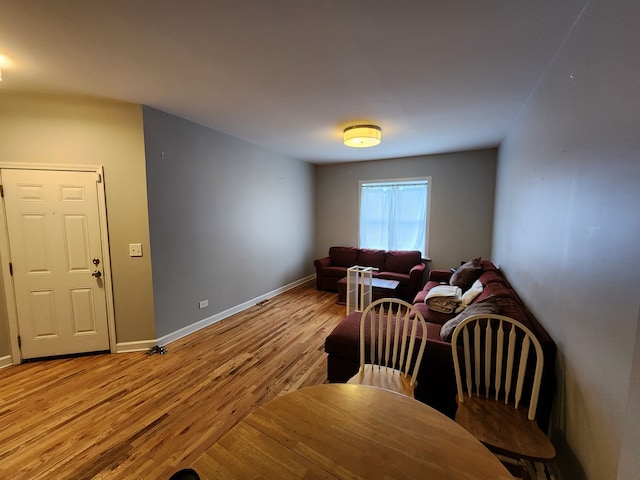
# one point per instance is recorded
(144, 345)
(6, 361)
(139, 346)
(205, 322)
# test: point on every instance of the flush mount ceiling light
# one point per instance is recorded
(360, 136)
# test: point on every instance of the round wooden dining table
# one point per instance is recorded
(348, 432)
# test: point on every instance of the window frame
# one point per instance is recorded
(424, 179)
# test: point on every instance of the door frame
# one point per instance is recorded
(5, 255)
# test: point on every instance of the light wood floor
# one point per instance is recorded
(145, 416)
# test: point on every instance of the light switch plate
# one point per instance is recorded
(135, 249)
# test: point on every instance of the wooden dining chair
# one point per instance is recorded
(393, 335)
(493, 387)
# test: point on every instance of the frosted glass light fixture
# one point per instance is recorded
(360, 136)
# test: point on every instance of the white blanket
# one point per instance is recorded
(469, 296)
(443, 298)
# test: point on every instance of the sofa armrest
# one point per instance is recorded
(321, 263)
(417, 270)
(440, 276)
(416, 275)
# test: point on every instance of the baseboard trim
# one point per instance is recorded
(6, 361)
(205, 322)
(138, 346)
(143, 345)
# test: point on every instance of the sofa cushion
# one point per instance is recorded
(432, 316)
(494, 290)
(371, 258)
(447, 329)
(514, 309)
(468, 273)
(490, 276)
(400, 261)
(401, 278)
(488, 266)
(343, 256)
(344, 340)
(433, 331)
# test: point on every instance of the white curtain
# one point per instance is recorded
(393, 216)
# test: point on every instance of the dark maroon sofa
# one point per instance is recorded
(405, 266)
(436, 380)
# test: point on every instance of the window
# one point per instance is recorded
(393, 215)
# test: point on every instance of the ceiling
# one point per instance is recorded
(290, 75)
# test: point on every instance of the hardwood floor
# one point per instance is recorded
(145, 416)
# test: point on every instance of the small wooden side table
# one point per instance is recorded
(381, 289)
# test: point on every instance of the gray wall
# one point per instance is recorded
(229, 221)
(462, 194)
(567, 234)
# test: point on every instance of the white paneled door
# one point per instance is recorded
(56, 255)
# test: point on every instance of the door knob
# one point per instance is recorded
(97, 274)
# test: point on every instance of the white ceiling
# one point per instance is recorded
(290, 75)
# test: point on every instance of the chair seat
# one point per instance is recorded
(504, 429)
(384, 377)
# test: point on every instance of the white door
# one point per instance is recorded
(56, 256)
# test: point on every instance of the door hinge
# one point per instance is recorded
(11, 269)
(19, 341)
(2, 191)
(98, 177)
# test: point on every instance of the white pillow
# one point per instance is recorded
(469, 295)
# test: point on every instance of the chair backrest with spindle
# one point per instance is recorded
(397, 336)
(498, 360)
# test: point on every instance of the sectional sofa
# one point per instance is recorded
(436, 382)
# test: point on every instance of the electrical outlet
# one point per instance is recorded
(204, 303)
(135, 249)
